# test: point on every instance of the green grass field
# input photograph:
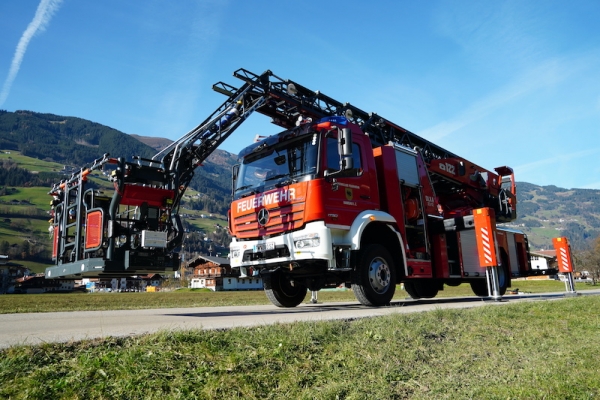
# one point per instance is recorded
(50, 302)
(534, 350)
(30, 164)
(37, 196)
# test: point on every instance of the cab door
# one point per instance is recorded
(345, 198)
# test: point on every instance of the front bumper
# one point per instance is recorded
(313, 242)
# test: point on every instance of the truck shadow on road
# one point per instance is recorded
(340, 307)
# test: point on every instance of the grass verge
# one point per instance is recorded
(544, 349)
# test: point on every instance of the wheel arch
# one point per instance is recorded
(388, 236)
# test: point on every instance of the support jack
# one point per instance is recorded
(491, 274)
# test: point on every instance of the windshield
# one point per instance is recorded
(276, 166)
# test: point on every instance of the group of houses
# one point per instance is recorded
(215, 273)
(9, 273)
(15, 278)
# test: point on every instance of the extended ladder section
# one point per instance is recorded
(460, 185)
(137, 228)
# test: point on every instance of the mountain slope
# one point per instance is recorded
(545, 212)
(67, 140)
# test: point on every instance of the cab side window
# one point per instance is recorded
(333, 155)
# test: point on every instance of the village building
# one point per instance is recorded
(543, 259)
(38, 283)
(215, 273)
(9, 272)
(139, 283)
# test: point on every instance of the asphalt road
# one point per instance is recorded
(35, 328)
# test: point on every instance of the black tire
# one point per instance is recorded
(374, 279)
(479, 287)
(421, 289)
(503, 280)
(503, 275)
(411, 290)
(281, 292)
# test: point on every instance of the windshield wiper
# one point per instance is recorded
(243, 187)
(276, 177)
(286, 182)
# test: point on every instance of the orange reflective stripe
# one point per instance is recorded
(485, 234)
(563, 254)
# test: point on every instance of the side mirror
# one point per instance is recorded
(345, 149)
(347, 169)
(234, 176)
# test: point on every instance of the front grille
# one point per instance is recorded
(282, 219)
(279, 251)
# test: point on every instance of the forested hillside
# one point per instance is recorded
(545, 212)
(38, 150)
(76, 142)
(66, 140)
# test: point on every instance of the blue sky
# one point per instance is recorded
(512, 83)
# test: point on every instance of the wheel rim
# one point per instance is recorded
(379, 275)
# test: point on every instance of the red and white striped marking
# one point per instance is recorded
(564, 259)
(487, 247)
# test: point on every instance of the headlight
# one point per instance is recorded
(235, 253)
(311, 240)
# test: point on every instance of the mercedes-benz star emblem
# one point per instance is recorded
(263, 217)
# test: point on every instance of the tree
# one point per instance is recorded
(25, 248)
(589, 260)
(4, 247)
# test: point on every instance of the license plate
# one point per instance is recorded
(262, 247)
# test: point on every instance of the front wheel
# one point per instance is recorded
(374, 279)
(282, 291)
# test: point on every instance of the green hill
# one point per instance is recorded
(69, 143)
(545, 212)
(65, 140)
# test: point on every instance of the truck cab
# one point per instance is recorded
(302, 200)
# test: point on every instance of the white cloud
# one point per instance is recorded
(42, 17)
(555, 159)
(548, 74)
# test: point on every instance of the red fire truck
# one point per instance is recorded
(339, 197)
(344, 197)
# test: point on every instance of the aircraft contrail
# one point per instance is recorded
(42, 17)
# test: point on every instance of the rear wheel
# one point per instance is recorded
(502, 280)
(284, 292)
(374, 279)
(480, 287)
(421, 289)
